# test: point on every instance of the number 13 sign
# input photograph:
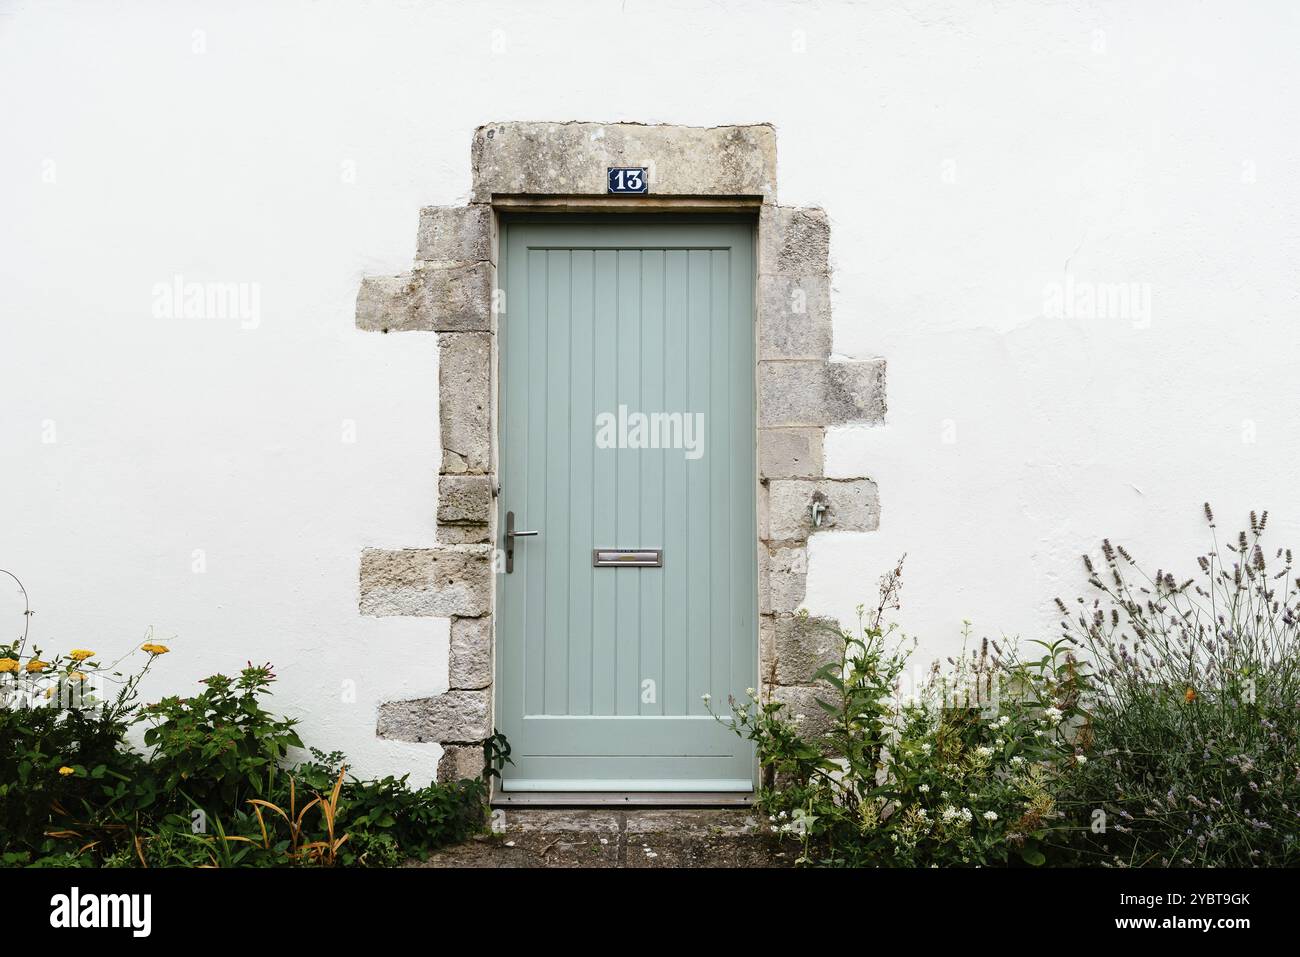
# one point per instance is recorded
(628, 179)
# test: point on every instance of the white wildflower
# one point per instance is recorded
(990, 815)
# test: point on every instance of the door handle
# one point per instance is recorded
(511, 535)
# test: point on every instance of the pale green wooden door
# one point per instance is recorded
(617, 337)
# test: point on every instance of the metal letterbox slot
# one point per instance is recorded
(627, 557)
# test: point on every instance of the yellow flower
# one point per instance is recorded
(65, 770)
(8, 665)
(76, 676)
(80, 654)
(155, 649)
(36, 665)
(1190, 695)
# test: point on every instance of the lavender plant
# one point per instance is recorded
(1191, 707)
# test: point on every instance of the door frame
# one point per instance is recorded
(585, 210)
(802, 392)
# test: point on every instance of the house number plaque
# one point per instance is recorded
(629, 179)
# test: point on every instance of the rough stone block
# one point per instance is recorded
(855, 391)
(766, 650)
(814, 393)
(790, 453)
(852, 505)
(793, 242)
(464, 395)
(464, 499)
(464, 534)
(794, 317)
(384, 304)
(455, 233)
(787, 579)
(426, 582)
(436, 297)
(470, 662)
(572, 158)
(801, 646)
(453, 716)
(460, 761)
(802, 700)
(454, 296)
(792, 393)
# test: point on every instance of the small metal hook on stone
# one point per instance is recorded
(817, 509)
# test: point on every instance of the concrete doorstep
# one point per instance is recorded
(537, 837)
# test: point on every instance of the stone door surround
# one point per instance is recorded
(451, 291)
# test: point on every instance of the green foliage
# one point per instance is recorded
(417, 820)
(496, 755)
(216, 789)
(1162, 728)
(58, 766)
(220, 746)
(62, 762)
(958, 774)
(1192, 704)
(375, 849)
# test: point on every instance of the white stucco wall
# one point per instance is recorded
(968, 154)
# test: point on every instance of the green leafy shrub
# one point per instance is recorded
(958, 774)
(417, 820)
(62, 762)
(59, 767)
(221, 746)
(375, 849)
(215, 789)
(1192, 710)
